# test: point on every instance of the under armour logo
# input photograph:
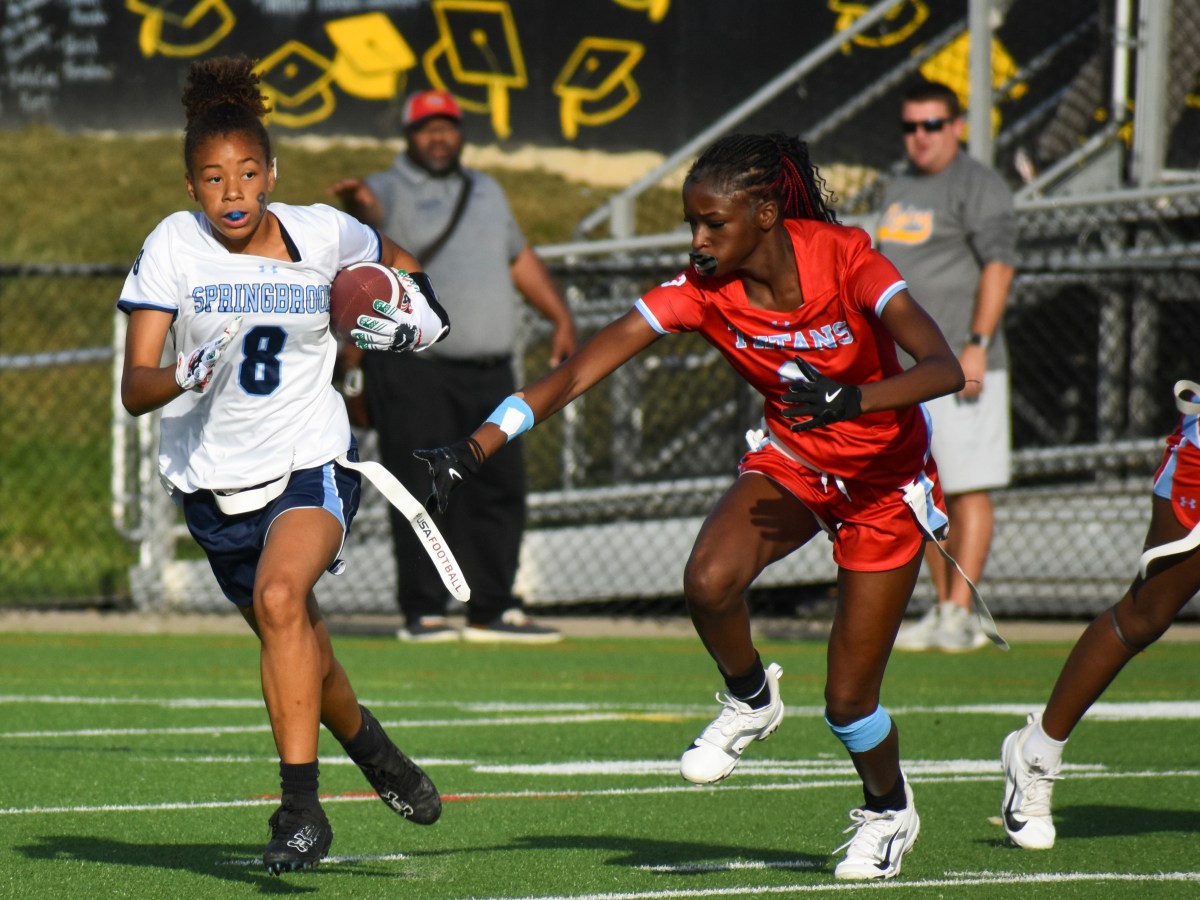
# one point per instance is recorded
(392, 799)
(304, 839)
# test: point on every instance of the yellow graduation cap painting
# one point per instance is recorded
(599, 70)
(950, 65)
(295, 80)
(371, 56)
(656, 10)
(478, 39)
(181, 27)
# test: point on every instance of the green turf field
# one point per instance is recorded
(142, 766)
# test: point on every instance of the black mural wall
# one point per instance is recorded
(594, 74)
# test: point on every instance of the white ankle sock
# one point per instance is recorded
(1041, 747)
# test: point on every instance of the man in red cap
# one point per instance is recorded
(458, 223)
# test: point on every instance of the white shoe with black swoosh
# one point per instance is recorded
(1028, 786)
(880, 841)
(715, 752)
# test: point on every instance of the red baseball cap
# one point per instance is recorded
(426, 104)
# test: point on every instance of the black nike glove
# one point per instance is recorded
(449, 467)
(820, 397)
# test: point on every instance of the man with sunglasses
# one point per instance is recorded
(948, 226)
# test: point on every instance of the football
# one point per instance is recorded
(355, 288)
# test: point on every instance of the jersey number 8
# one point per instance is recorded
(259, 372)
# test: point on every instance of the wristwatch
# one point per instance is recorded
(352, 383)
(979, 340)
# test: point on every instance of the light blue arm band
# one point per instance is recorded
(513, 416)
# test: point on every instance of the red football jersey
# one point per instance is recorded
(846, 284)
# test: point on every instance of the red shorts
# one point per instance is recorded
(1178, 480)
(873, 528)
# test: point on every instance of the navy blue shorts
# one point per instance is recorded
(234, 544)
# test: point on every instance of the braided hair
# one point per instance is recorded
(222, 98)
(766, 166)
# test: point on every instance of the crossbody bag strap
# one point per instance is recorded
(464, 194)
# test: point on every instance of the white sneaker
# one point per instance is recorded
(716, 751)
(880, 841)
(958, 630)
(1027, 789)
(920, 635)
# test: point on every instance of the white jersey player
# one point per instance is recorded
(256, 446)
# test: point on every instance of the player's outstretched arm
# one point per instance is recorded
(606, 351)
(448, 466)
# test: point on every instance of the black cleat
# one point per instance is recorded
(300, 839)
(399, 781)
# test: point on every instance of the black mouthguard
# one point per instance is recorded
(703, 263)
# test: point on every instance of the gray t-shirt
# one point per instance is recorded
(940, 231)
(472, 273)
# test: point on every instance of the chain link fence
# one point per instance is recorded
(57, 539)
(1104, 317)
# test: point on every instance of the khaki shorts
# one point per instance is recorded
(972, 440)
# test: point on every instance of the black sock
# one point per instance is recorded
(751, 687)
(893, 799)
(298, 784)
(364, 745)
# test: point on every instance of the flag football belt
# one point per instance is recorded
(408, 505)
(1187, 407)
(1192, 540)
(1183, 545)
(239, 501)
(914, 499)
(914, 496)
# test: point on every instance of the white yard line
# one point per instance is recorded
(538, 714)
(408, 723)
(256, 703)
(850, 780)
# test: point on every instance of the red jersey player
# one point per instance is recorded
(1168, 577)
(808, 314)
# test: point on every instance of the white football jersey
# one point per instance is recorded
(271, 406)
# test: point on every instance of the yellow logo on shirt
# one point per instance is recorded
(904, 225)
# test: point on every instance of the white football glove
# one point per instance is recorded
(399, 327)
(194, 371)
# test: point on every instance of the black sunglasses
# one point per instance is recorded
(930, 125)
